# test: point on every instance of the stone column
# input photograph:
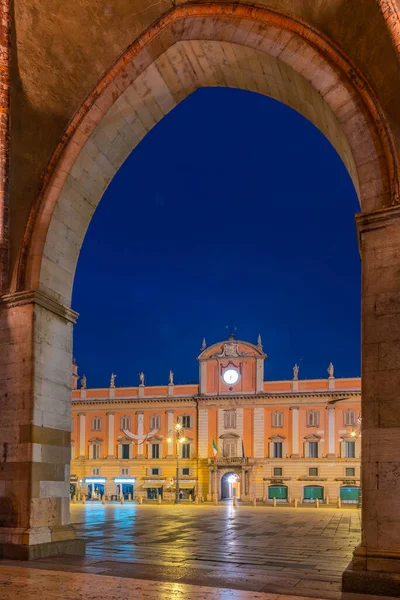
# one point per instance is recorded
(170, 431)
(331, 432)
(258, 422)
(82, 435)
(35, 427)
(140, 417)
(376, 561)
(259, 375)
(203, 377)
(295, 431)
(111, 448)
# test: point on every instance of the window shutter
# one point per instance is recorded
(148, 471)
(190, 471)
(271, 449)
(90, 450)
(119, 451)
(284, 449)
(160, 471)
(358, 447)
(306, 450)
(342, 449)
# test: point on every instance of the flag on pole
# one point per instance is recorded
(243, 454)
(214, 448)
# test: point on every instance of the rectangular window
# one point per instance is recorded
(155, 471)
(277, 471)
(125, 423)
(96, 424)
(350, 472)
(277, 419)
(95, 471)
(185, 450)
(155, 422)
(230, 419)
(124, 471)
(313, 472)
(349, 418)
(96, 450)
(185, 471)
(155, 451)
(125, 450)
(186, 421)
(277, 449)
(313, 418)
(313, 449)
(350, 449)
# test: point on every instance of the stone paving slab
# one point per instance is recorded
(28, 583)
(297, 551)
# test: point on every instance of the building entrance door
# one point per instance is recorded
(229, 486)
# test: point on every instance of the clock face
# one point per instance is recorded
(230, 376)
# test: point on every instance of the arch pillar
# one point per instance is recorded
(35, 427)
(375, 567)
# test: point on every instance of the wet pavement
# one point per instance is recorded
(299, 552)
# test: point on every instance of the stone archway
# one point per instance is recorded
(195, 45)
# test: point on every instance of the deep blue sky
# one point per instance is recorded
(234, 207)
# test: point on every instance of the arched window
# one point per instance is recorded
(230, 419)
(125, 423)
(349, 418)
(277, 419)
(155, 422)
(96, 424)
(313, 418)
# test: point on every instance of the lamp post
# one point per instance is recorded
(354, 434)
(179, 438)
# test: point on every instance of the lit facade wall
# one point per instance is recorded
(272, 435)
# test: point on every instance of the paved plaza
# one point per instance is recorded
(300, 552)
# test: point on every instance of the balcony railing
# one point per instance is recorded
(230, 460)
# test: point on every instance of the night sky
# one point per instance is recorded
(233, 208)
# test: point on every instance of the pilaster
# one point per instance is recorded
(140, 417)
(35, 384)
(111, 425)
(295, 432)
(331, 432)
(375, 567)
(170, 430)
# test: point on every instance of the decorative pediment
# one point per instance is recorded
(230, 350)
(312, 438)
(347, 437)
(96, 440)
(277, 438)
(229, 436)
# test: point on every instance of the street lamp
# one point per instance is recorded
(180, 438)
(354, 434)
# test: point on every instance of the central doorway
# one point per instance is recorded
(230, 486)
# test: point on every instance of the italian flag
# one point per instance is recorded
(215, 449)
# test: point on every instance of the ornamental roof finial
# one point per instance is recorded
(231, 328)
(259, 342)
(203, 344)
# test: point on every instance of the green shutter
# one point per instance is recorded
(277, 491)
(349, 494)
(312, 492)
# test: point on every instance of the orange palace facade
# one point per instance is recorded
(243, 436)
